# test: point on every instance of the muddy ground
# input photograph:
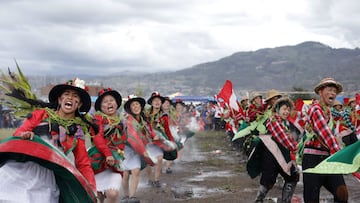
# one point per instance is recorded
(209, 170)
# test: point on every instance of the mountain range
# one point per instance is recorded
(283, 68)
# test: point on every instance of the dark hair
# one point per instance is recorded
(281, 102)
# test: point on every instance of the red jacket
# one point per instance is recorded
(105, 142)
(82, 161)
(138, 135)
(254, 111)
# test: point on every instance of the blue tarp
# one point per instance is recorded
(193, 98)
(340, 98)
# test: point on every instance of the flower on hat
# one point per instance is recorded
(102, 91)
(76, 82)
(155, 94)
(79, 83)
(131, 96)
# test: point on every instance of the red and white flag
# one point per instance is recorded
(357, 98)
(228, 95)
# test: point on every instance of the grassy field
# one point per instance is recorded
(6, 132)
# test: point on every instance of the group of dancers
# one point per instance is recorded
(283, 137)
(49, 159)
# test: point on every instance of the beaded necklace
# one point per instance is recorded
(112, 126)
(65, 123)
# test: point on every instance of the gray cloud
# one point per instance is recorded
(57, 37)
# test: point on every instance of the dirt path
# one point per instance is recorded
(205, 175)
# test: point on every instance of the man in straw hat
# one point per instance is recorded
(256, 107)
(320, 143)
(271, 97)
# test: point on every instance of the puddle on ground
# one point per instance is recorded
(211, 174)
(186, 192)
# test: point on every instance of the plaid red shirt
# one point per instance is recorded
(254, 111)
(278, 127)
(319, 122)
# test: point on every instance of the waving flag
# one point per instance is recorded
(357, 98)
(345, 161)
(228, 95)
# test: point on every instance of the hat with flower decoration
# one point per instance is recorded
(77, 85)
(132, 98)
(168, 99)
(155, 95)
(107, 91)
(179, 101)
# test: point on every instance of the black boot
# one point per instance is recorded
(261, 194)
(288, 191)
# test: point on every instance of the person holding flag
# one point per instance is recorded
(228, 96)
(320, 142)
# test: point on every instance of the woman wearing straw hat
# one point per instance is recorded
(244, 102)
(39, 170)
(256, 107)
(321, 143)
(107, 154)
(271, 97)
(138, 135)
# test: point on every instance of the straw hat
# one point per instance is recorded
(244, 98)
(271, 94)
(350, 100)
(337, 103)
(253, 95)
(326, 82)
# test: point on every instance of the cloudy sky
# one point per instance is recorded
(110, 36)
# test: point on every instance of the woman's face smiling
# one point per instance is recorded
(69, 102)
(156, 103)
(166, 105)
(108, 105)
(284, 111)
(135, 107)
